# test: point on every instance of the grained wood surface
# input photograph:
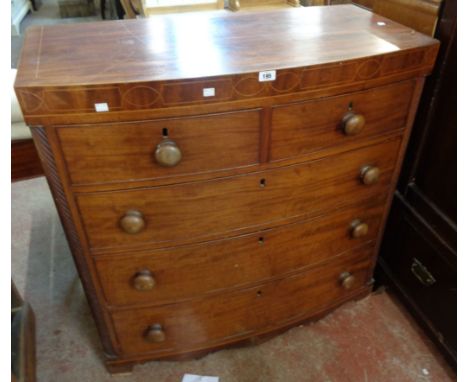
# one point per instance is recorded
(242, 313)
(304, 127)
(189, 271)
(364, 3)
(25, 162)
(268, 185)
(236, 204)
(122, 152)
(125, 152)
(144, 100)
(421, 15)
(236, 5)
(206, 45)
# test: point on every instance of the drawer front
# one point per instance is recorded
(224, 318)
(215, 208)
(126, 151)
(305, 127)
(167, 275)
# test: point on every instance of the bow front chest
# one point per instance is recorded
(221, 177)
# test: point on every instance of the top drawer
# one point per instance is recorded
(126, 151)
(304, 127)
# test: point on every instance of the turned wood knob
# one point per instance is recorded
(370, 174)
(234, 5)
(132, 222)
(353, 123)
(167, 153)
(155, 334)
(358, 229)
(144, 280)
(347, 280)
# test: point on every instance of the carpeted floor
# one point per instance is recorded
(373, 340)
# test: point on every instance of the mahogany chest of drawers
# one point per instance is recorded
(221, 177)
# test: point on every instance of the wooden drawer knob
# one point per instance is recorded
(352, 123)
(358, 229)
(132, 222)
(370, 174)
(167, 153)
(155, 334)
(144, 280)
(347, 280)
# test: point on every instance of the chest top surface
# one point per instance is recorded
(206, 44)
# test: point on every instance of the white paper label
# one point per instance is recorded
(100, 107)
(208, 92)
(199, 378)
(267, 75)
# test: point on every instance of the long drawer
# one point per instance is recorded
(227, 317)
(168, 275)
(210, 209)
(126, 151)
(304, 127)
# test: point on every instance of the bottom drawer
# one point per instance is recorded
(224, 318)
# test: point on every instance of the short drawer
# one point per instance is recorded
(305, 127)
(127, 151)
(227, 317)
(209, 209)
(168, 275)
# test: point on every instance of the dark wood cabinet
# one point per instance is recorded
(418, 253)
(25, 162)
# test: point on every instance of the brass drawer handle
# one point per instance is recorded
(347, 280)
(422, 274)
(370, 175)
(144, 280)
(155, 334)
(132, 222)
(167, 153)
(358, 229)
(352, 123)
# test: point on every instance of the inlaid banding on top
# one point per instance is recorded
(154, 95)
(141, 96)
(369, 69)
(248, 86)
(31, 102)
(285, 82)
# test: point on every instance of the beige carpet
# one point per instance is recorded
(372, 340)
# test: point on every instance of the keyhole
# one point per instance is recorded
(259, 293)
(262, 183)
(165, 133)
(350, 106)
(261, 240)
